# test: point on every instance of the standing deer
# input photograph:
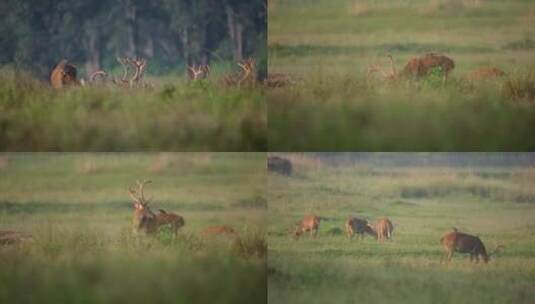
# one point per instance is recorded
(147, 221)
(382, 230)
(309, 223)
(63, 74)
(356, 225)
(465, 243)
(198, 72)
(421, 66)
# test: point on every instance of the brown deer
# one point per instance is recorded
(147, 221)
(309, 223)
(11, 237)
(63, 74)
(356, 225)
(421, 66)
(247, 75)
(382, 230)
(465, 243)
(486, 73)
(219, 230)
(198, 72)
(135, 80)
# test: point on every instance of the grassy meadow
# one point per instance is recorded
(423, 202)
(77, 209)
(328, 45)
(172, 115)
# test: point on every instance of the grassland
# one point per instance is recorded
(327, 46)
(77, 209)
(173, 115)
(496, 203)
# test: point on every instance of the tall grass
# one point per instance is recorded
(172, 116)
(423, 203)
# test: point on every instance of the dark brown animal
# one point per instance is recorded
(63, 74)
(421, 66)
(145, 220)
(356, 225)
(279, 165)
(309, 223)
(464, 243)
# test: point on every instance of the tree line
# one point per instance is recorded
(36, 34)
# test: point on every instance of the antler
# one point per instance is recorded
(141, 197)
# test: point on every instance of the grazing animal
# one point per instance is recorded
(219, 230)
(309, 223)
(279, 165)
(63, 74)
(198, 72)
(421, 66)
(465, 243)
(147, 221)
(382, 230)
(485, 74)
(356, 225)
(277, 80)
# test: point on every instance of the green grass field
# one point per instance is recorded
(174, 115)
(327, 47)
(77, 208)
(495, 203)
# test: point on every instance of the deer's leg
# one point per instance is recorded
(449, 255)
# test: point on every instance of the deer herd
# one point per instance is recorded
(64, 74)
(453, 241)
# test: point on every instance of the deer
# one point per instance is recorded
(11, 237)
(416, 68)
(308, 223)
(356, 225)
(63, 74)
(219, 230)
(247, 74)
(485, 73)
(382, 230)
(456, 241)
(198, 72)
(146, 221)
(136, 80)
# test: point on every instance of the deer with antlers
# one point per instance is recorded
(465, 243)
(198, 71)
(63, 75)
(147, 221)
(247, 75)
(135, 80)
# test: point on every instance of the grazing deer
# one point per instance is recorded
(219, 230)
(63, 74)
(277, 80)
(485, 74)
(309, 223)
(198, 72)
(465, 243)
(147, 221)
(382, 230)
(356, 225)
(421, 66)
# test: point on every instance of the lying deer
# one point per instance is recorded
(486, 73)
(198, 72)
(10, 237)
(465, 243)
(219, 230)
(125, 81)
(309, 223)
(247, 74)
(147, 221)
